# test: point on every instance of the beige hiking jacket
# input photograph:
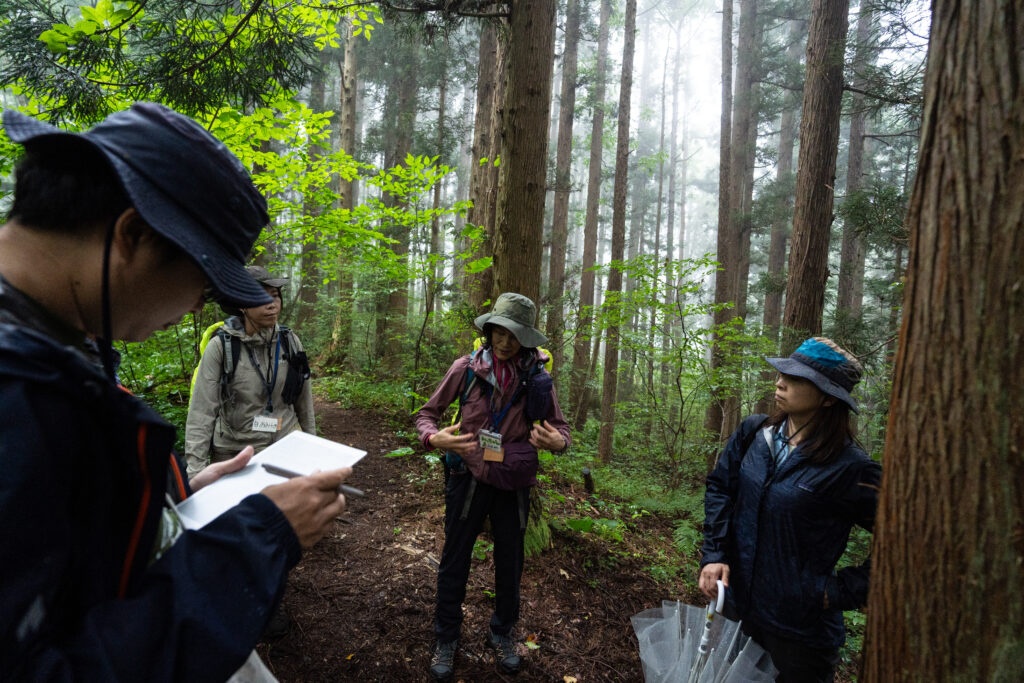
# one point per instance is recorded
(225, 426)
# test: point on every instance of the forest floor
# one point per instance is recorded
(361, 601)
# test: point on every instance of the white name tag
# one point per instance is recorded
(266, 423)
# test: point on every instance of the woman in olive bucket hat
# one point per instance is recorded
(508, 410)
(779, 508)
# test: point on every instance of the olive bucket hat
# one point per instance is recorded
(184, 183)
(517, 314)
(829, 367)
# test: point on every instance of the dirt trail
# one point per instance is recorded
(361, 602)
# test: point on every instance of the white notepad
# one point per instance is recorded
(298, 452)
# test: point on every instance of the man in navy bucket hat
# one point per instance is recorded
(112, 234)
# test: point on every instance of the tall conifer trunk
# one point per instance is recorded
(816, 172)
(611, 348)
(563, 185)
(584, 324)
(518, 229)
(948, 572)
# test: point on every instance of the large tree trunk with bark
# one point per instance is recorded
(611, 347)
(945, 601)
(816, 172)
(563, 186)
(725, 255)
(518, 230)
(584, 323)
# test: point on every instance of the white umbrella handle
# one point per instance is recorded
(720, 601)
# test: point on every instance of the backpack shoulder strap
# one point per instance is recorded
(232, 350)
(286, 341)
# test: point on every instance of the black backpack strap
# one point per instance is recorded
(232, 346)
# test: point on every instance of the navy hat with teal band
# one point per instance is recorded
(832, 369)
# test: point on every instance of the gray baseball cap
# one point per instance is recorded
(517, 314)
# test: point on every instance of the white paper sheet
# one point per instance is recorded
(298, 452)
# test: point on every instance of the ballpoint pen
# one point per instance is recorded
(288, 474)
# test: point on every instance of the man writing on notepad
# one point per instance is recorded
(112, 234)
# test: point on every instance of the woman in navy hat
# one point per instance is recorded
(779, 508)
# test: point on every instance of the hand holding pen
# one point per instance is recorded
(310, 503)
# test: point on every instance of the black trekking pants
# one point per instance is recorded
(462, 525)
(796, 662)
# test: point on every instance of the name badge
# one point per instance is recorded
(491, 443)
(266, 423)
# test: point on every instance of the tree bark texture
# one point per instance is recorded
(519, 224)
(584, 324)
(563, 186)
(816, 171)
(713, 416)
(611, 348)
(743, 148)
(945, 601)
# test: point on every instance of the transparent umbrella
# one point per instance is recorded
(686, 644)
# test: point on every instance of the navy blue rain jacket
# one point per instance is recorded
(782, 533)
(83, 474)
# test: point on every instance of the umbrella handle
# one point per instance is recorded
(720, 601)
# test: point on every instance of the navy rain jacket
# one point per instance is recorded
(782, 533)
(83, 475)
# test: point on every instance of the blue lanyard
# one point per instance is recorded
(497, 417)
(268, 383)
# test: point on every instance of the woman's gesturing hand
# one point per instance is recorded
(448, 440)
(546, 437)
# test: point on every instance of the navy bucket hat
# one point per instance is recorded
(832, 369)
(184, 183)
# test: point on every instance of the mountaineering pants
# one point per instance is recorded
(796, 662)
(462, 524)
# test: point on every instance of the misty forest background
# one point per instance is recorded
(684, 186)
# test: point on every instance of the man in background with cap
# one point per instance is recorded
(251, 386)
(113, 234)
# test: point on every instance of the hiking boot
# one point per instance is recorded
(442, 660)
(504, 652)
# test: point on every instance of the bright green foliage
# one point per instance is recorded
(80, 64)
